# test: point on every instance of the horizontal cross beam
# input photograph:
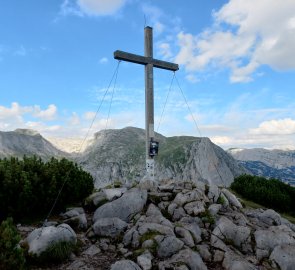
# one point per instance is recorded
(138, 59)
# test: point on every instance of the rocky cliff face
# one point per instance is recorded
(120, 155)
(268, 163)
(26, 142)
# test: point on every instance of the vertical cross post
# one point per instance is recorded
(149, 63)
(149, 101)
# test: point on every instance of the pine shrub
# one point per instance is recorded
(11, 254)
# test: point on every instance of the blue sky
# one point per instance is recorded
(236, 62)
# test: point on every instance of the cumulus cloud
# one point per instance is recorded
(245, 35)
(47, 114)
(101, 7)
(275, 127)
(91, 7)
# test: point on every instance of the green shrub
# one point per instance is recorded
(270, 193)
(11, 254)
(30, 186)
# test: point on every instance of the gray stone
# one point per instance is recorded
(187, 257)
(193, 227)
(92, 251)
(178, 214)
(148, 184)
(190, 196)
(214, 209)
(185, 236)
(227, 231)
(127, 239)
(270, 217)
(169, 246)
(145, 260)
(204, 252)
(79, 221)
(42, 239)
(114, 193)
(131, 203)
(267, 240)
(213, 193)
(195, 208)
(218, 256)
(153, 211)
(284, 256)
(155, 227)
(232, 198)
(96, 198)
(233, 261)
(148, 244)
(126, 265)
(110, 227)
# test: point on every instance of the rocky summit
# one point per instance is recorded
(177, 225)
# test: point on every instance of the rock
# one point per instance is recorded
(267, 240)
(154, 227)
(96, 199)
(185, 236)
(284, 256)
(110, 227)
(228, 232)
(145, 260)
(42, 239)
(148, 244)
(169, 246)
(213, 193)
(234, 262)
(270, 217)
(214, 209)
(126, 265)
(192, 226)
(218, 256)
(232, 198)
(131, 203)
(190, 196)
(194, 208)
(153, 211)
(178, 213)
(113, 193)
(204, 252)
(148, 184)
(186, 257)
(92, 251)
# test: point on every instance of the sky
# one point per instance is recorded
(236, 59)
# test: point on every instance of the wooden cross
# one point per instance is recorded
(149, 62)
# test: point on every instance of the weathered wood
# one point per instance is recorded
(149, 62)
(138, 59)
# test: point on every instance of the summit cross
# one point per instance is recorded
(149, 62)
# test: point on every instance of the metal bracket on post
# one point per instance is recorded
(150, 169)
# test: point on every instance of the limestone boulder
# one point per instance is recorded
(233, 261)
(109, 227)
(228, 232)
(270, 217)
(195, 208)
(267, 240)
(126, 265)
(114, 193)
(42, 239)
(131, 203)
(232, 198)
(284, 256)
(169, 246)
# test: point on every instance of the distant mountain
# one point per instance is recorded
(268, 163)
(26, 142)
(120, 154)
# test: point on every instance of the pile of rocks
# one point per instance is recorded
(179, 225)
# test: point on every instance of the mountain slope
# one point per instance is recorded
(26, 142)
(268, 163)
(120, 154)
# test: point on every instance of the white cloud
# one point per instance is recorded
(165, 50)
(100, 7)
(48, 114)
(103, 60)
(244, 36)
(275, 127)
(192, 78)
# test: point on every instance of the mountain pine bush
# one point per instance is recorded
(30, 186)
(11, 254)
(271, 193)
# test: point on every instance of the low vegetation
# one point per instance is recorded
(11, 255)
(271, 193)
(30, 186)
